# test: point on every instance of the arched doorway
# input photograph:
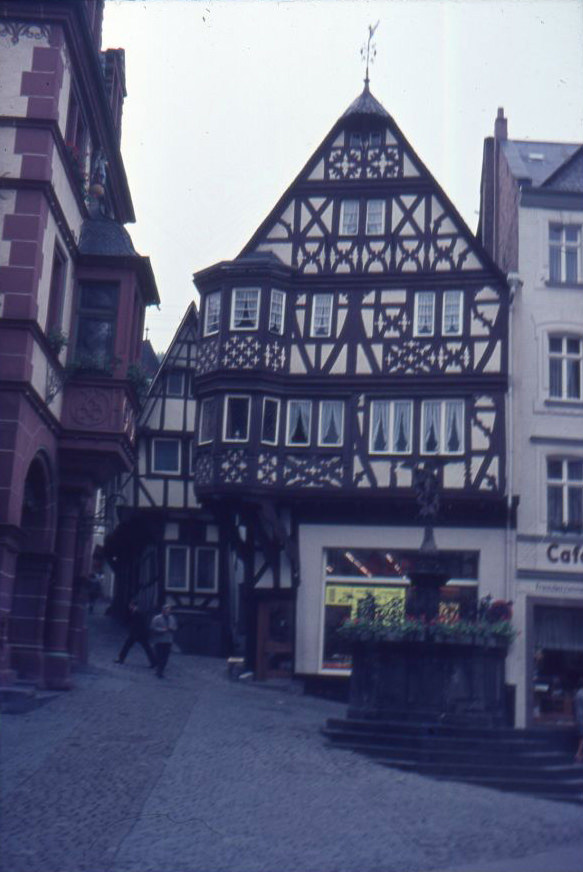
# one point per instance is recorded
(34, 570)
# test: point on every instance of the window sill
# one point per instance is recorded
(558, 402)
(564, 286)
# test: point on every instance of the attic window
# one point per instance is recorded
(364, 138)
(536, 156)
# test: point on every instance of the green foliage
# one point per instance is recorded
(57, 340)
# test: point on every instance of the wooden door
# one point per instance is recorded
(274, 639)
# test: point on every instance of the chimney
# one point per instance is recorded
(500, 126)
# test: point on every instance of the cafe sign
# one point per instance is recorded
(550, 554)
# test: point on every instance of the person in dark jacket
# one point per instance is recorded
(137, 632)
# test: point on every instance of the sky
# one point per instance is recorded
(227, 100)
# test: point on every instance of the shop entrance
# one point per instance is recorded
(558, 663)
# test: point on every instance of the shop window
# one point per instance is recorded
(452, 313)
(321, 315)
(331, 425)
(349, 217)
(391, 424)
(565, 253)
(206, 575)
(565, 495)
(166, 455)
(375, 217)
(270, 421)
(565, 367)
(245, 309)
(299, 422)
(236, 427)
(207, 423)
(442, 427)
(177, 568)
(424, 315)
(558, 662)
(276, 311)
(212, 313)
(95, 328)
(175, 384)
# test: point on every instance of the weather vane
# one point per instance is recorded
(369, 50)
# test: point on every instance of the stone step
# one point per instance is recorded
(448, 751)
(470, 736)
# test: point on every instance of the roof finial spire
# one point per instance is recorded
(369, 51)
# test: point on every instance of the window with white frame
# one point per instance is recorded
(166, 455)
(276, 311)
(299, 422)
(424, 316)
(270, 421)
(236, 422)
(245, 309)
(565, 367)
(565, 495)
(349, 217)
(565, 253)
(391, 423)
(177, 568)
(442, 427)
(206, 571)
(452, 313)
(207, 422)
(212, 313)
(321, 315)
(331, 425)
(175, 383)
(375, 217)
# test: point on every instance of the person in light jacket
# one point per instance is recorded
(163, 627)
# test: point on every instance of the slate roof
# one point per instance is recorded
(535, 162)
(366, 104)
(106, 237)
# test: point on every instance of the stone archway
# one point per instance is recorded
(34, 570)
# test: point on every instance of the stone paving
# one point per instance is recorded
(196, 773)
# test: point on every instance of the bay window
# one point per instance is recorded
(207, 423)
(270, 421)
(331, 429)
(299, 422)
(212, 313)
(276, 311)
(236, 424)
(245, 309)
(96, 320)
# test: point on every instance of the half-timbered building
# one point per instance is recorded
(360, 335)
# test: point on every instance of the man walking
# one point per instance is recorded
(137, 632)
(163, 627)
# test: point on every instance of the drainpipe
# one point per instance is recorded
(515, 284)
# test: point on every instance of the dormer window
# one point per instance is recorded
(245, 309)
(349, 217)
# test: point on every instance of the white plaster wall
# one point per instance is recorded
(173, 413)
(538, 311)
(313, 539)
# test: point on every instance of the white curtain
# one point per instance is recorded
(331, 422)
(299, 422)
(402, 427)
(431, 426)
(453, 427)
(380, 426)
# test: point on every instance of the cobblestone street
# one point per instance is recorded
(197, 773)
